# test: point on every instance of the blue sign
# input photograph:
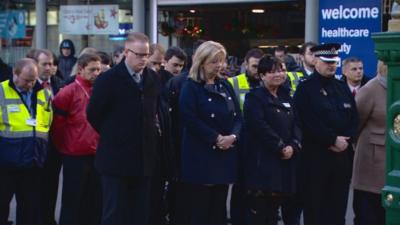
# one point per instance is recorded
(123, 31)
(12, 24)
(350, 23)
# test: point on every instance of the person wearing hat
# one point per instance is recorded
(328, 117)
(67, 58)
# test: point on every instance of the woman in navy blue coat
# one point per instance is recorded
(274, 142)
(211, 124)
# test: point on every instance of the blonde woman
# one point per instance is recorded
(211, 124)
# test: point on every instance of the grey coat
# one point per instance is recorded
(370, 153)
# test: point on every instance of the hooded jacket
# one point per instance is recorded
(66, 62)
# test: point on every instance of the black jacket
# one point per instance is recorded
(124, 114)
(326, 109)
(270, 123)
(5, 71)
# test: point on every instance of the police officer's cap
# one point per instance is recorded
(327, 52)
(66, 44)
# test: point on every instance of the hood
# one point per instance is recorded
(67, 44)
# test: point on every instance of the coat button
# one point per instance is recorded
(214, 147)
(212, 115)
(234, 114)
(229, 98)
(278, 110)
(170, 109)
(210, 99)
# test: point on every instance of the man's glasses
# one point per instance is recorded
(140, 55)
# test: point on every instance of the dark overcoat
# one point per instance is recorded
(205, 115)
(271, 126)
(123, 112)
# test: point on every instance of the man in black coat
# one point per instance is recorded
(52, 165)
(328, 118)
(122, 110)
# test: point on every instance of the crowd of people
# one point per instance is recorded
(145, 137)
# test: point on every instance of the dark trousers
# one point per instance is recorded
(368, 208)
(326, 191)
(291, 210)
(81, 197)
(238, 203)
(158, 205)
(25, 184)
(177, 195)
(51, 173)
(262, 208)
(125, 200)
(207, 204)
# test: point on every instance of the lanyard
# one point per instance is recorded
(83, 89)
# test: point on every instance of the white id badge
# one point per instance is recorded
(31, 122)
(13, 108)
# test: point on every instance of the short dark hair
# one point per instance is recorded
(86, 58)
(118, 50)
(268, 63)
(280, 48)
(306, 45)
(175, 51)
(105, 58)
(254, 53)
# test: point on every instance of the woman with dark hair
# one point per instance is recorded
(211, 122)
(274, 142)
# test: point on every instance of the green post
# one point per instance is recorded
(387, 46)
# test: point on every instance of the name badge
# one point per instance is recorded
(286, 104)
(346, 105)
(31, 122)
(13, 108)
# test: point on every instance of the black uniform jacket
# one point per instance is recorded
(326, 109)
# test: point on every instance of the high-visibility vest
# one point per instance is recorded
(294, 78)
(241, 87)
(14, 114)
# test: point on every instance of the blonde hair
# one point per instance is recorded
(207, 50)
(137, 36)
(157, 47)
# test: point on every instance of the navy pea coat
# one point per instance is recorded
(271, 126)
(206, 114)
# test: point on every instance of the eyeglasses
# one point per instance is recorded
(140, 55)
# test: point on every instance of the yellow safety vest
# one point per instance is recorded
(241, 87)
(14, 114)
(294, 78)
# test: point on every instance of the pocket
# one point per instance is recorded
(377, 139)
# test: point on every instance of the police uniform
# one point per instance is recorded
(326, 110)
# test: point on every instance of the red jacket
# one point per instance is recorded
(71, 132)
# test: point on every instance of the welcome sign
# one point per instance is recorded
(350, 23)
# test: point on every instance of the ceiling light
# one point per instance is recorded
(257, 10)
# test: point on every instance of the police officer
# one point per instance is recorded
(24, 124)
(328, 118)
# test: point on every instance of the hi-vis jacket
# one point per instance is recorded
(24, 134)
(241, 87)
